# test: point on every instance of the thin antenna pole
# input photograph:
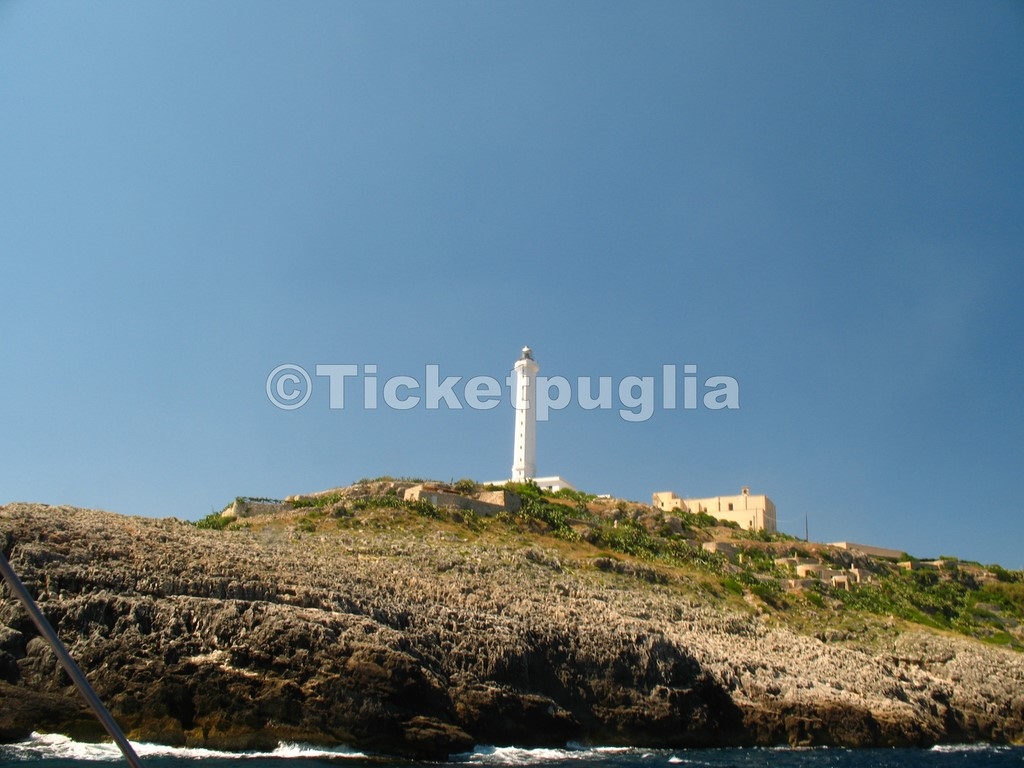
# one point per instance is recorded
(807, 535)
(73, 670)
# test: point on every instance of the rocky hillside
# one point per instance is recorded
(422, 633)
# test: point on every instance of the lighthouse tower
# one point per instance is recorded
(524, 454)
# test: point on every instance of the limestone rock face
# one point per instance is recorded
(414, 642)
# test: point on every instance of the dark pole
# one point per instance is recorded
(73, 670)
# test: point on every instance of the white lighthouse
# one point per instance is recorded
(524, 447)
(524, 453)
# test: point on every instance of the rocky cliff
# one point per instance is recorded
(406, 635)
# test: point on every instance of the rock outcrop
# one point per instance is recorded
(415, 639)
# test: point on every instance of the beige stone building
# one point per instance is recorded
(751, 512)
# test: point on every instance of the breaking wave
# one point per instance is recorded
(49, 746)
(54, 751)
(489, 755)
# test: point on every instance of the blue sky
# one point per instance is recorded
(820, 200)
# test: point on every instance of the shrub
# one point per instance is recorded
(758, 560)
(768, 591)
(555, 516)
(573, 495)
(732, 585)
(919, 596)
(579, 498)
(1004, 575)
(527, 490)
(697, 520)
(628, 537)
(814, 598)
(318, 501)
(389, 479)
(214, 521)
(425, 508)
(762, 535)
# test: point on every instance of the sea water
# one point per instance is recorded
(48, 751)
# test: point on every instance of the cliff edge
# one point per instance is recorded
(399, 633)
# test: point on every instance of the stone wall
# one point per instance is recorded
(487, 504)
(243, 507)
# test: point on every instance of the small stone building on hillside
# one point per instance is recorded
(750, 512)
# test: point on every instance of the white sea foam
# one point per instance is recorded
(289, 749)
(55, 746)
(677, 760)
(954, 748)
(51, 745)
(487, 755)
(490, 755)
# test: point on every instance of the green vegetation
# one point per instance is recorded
(629, 538)
(759, 561)
(389, 479)
(537, 506)
(763, 535)
(579, 498)
(1004, 575)
(306, 524)
(325, 500)
(950, 599)
(732, 585)
(814, 598)
(626, 536)
(769, 591)
(392, 501)
(214, 521)
(467, 486)
(702, 520)
(985, 602)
